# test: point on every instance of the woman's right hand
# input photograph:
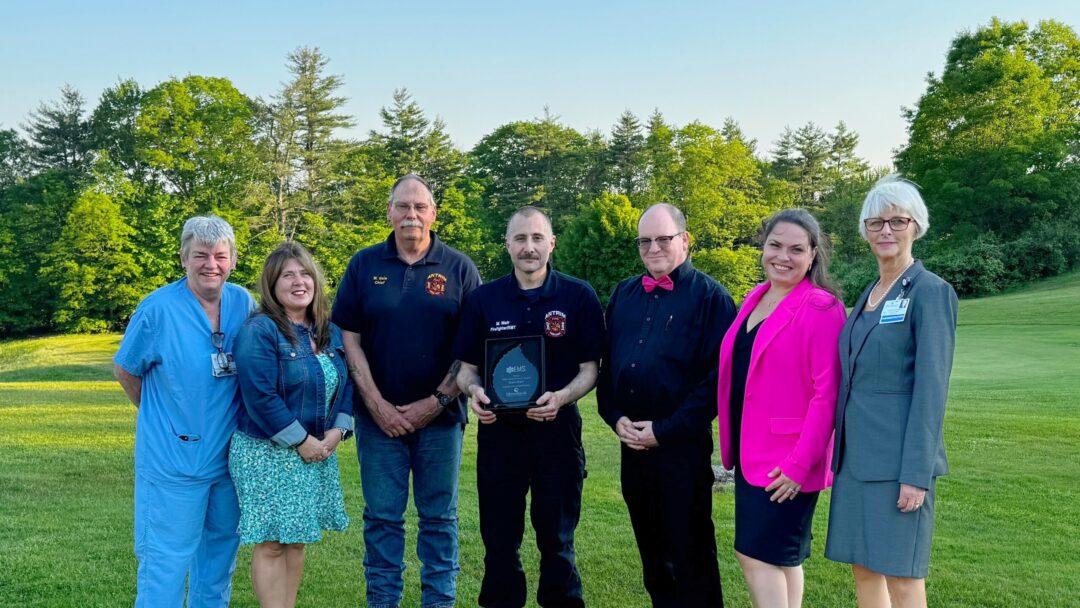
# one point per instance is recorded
(313, 450)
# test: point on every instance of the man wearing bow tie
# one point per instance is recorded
(657, 390)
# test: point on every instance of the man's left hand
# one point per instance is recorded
(643, 431)
(421, 412)
(547, 406)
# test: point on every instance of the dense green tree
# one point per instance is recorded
(15, 158)
(112, 127)
(625, 155)
(59, 133)
(991, 139)
(814, 161)
(92, 266)
(538, 162)
(196, 137)
(597, 245)
(733, 132)
(413, 143)
(32, 214)
(312, 97)
(660, 159)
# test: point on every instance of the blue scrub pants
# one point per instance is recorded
(185, 529)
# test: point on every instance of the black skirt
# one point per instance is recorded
(772, 532)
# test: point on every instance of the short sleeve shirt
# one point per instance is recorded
(186, 415)
(565, 311)
(407, 317)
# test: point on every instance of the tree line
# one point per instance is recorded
(92, 199)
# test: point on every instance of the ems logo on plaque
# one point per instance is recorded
(514, 372)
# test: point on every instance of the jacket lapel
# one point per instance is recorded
(778, 320)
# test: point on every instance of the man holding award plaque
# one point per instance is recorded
(529, 345)
(658, 392)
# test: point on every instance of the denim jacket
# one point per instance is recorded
(283, 386)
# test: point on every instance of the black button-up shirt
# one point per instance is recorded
(662, 353)
(564, 310)
(407, 317)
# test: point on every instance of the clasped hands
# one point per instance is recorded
(314, 450)
(401, 420)
(547, 405)
(636, 435)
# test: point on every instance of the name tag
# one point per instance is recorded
(222, 365)
(894, 311)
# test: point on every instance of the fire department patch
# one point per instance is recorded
(436, 284)
(555, 324)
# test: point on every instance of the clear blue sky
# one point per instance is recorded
(482, 64)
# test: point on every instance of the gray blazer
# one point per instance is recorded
(894, 384)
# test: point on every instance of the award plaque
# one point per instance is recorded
(514, 372)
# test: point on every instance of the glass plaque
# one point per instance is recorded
(514, 372)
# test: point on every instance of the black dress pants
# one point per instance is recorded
(668, 491)
(515, 456)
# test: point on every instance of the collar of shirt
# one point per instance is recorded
(547, 290)
(434, 253)
(681, 271)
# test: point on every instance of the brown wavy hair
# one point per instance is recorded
(819, 242)
(318, 312)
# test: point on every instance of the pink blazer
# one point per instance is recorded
(791, 388)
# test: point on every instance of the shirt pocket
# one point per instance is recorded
(679, 340)
(293, 367)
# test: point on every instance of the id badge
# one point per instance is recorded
(895, 311)
(222, 365)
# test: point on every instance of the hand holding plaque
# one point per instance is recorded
(514, 372)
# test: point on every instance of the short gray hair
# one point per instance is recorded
(208, 230)
(411, 177)
(897, 192)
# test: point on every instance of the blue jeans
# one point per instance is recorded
(433, 455)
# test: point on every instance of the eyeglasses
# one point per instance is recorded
(897, 224)
(663, 242)
(421, 208)
(217, 339)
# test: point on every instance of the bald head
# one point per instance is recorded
(663, 242)
(666, 208)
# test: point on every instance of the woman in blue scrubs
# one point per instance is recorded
(175, 365)
(296, 411)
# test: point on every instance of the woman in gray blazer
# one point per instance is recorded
(896, 353)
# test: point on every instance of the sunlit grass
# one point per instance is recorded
(1008, 526)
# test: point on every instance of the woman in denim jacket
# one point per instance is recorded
(297, 409)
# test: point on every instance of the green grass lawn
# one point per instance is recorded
(1008, 524)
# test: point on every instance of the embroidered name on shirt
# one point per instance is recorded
(436, 284)
(378, 280)
(555, 324)
(502, 326)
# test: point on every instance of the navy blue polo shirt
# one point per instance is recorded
(564, 310)
(663, 353)
(407, 317)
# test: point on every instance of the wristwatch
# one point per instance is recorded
(443, 399)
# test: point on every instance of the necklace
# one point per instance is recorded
(870, 298)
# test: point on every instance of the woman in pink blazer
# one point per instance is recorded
(779, 373)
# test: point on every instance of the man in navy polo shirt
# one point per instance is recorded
(398, 305)
(539, 449)
(658, 392)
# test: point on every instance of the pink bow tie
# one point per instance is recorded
(663, 282)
